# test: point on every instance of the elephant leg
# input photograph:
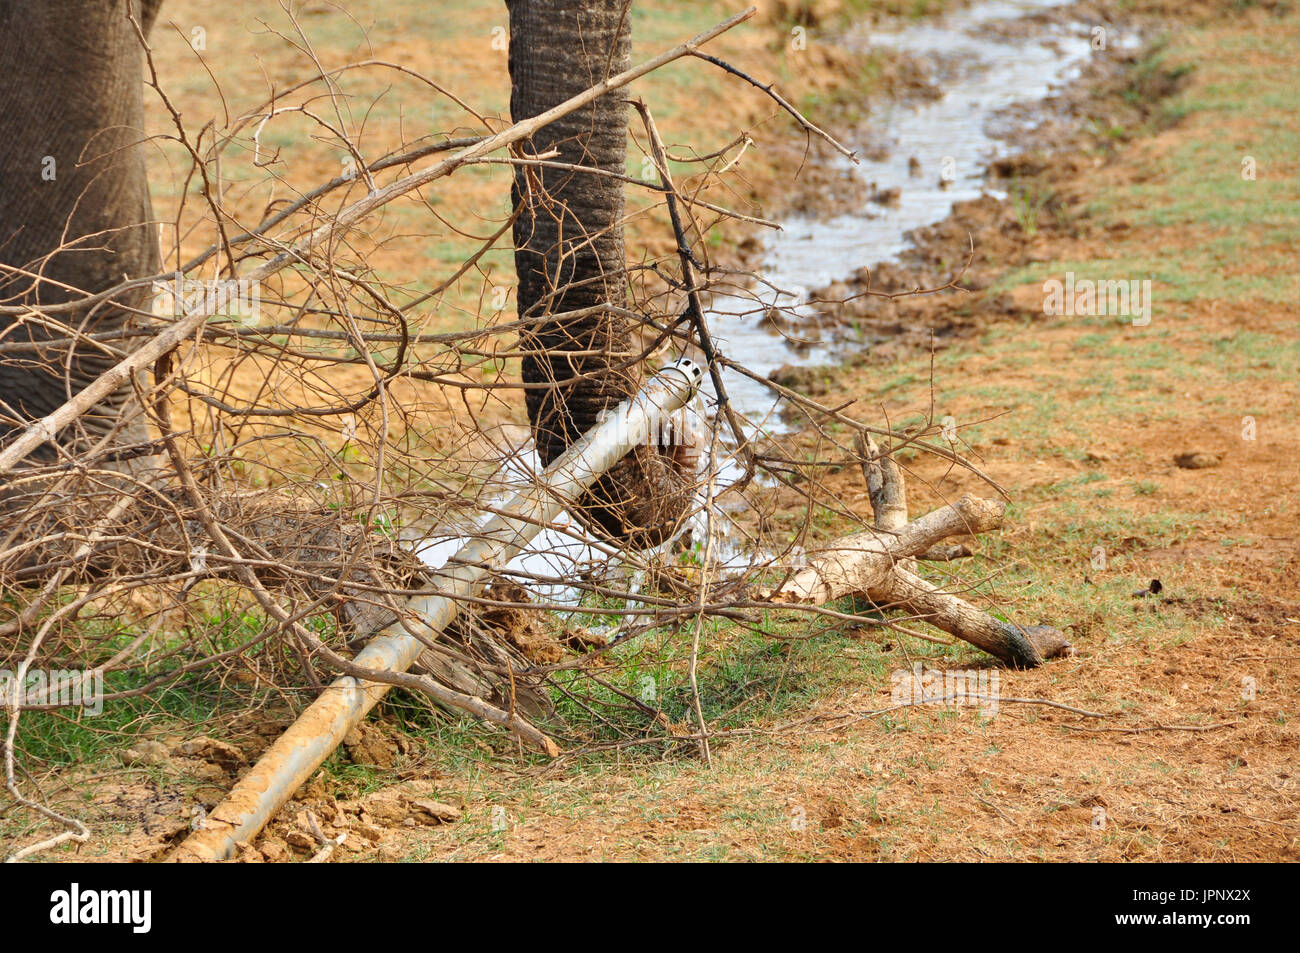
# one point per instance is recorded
(569, 256)
(75, 216)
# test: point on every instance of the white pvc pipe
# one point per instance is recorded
(320, 729)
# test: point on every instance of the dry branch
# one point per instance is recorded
(45, 429)
(880, 564)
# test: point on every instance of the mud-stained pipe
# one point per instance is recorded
(320, 729)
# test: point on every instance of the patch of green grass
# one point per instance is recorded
(71, 737)
(1028, 200)
(1202, 183)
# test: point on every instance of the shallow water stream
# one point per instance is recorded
(981, 70)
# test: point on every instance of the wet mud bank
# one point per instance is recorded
(960, 186)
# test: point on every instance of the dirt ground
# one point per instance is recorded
(1132, 453)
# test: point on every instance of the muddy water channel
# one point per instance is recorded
(925, 156)
(935, 154)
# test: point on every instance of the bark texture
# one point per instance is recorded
(569, 255)
(880, 564)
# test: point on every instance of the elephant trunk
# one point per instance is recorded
(569, 256)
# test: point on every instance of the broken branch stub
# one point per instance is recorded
(885, 485)
(888, 494)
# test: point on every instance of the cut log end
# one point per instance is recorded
(1029, 646)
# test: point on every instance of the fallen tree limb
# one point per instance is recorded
(1020, 646)
(880, 564)
(865, 561)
